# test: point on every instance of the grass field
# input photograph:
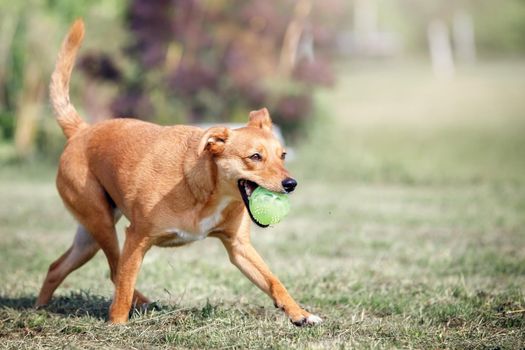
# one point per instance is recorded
(407, 231)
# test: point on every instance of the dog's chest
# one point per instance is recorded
(202, 229)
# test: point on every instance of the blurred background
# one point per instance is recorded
(399, 90)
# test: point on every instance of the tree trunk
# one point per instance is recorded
(440, 49)
(28, 111)
(292, 37)
(464, 37)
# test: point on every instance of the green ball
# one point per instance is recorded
(268, 207)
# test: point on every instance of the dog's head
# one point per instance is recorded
(249, 157)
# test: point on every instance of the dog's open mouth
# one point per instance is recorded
(246, 188)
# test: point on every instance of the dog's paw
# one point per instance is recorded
(39, 306)
(309, 320)
(144, 309)
(151, 306)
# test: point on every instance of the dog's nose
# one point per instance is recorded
(289, 184)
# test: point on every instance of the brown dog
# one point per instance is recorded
(175, 184)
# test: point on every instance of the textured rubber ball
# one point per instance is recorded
(268, 207)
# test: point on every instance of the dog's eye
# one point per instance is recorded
(283, 156)
(256, 157)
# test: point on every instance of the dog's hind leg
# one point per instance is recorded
(83, 249)
(89, 204)
(106, 236)
(135, 246)
(111, 249)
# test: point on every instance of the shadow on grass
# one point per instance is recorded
(84, 304)
(76, 304)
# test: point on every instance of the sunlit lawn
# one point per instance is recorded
(407, 230)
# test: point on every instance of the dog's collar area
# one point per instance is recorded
(246, 187)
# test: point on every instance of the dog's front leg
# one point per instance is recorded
(243, 255)
(135, 246)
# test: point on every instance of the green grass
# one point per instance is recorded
(398, 124)
(406, 231)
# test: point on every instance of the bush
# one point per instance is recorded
(195, 61)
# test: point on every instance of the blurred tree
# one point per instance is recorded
(26, 61)
(192, 60)
(499, 26)
(216, 60)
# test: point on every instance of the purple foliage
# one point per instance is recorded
(229, 50)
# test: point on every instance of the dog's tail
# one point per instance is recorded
(67, 116)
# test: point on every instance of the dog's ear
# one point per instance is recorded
(260, 119)
(214, 140)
